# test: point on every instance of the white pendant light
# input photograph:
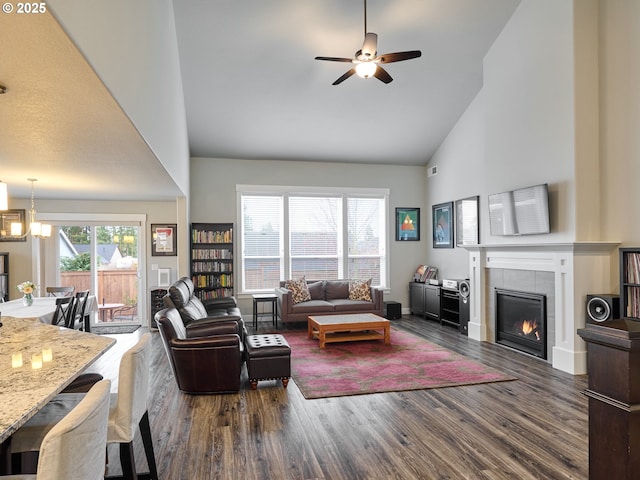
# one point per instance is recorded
(36, 229)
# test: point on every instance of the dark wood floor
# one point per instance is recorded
(533, 428)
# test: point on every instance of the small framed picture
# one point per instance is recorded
(442, 218)
(408, 224)
(163, 240)
(164, 277)
(9, 221)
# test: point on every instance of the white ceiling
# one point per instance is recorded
(60, 125)
(252, 90)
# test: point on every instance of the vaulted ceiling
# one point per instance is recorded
(252, 90)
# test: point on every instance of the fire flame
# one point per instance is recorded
(529, 327)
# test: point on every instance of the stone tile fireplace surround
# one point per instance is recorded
(566, 273)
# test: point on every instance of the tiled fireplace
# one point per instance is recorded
(563, 273)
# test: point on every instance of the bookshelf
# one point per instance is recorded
(4, 276)
(212, 259)
(630, 282)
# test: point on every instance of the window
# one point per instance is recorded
(261, 227)
(314, 237)
(289, 232)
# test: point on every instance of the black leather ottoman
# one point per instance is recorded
(268, 358)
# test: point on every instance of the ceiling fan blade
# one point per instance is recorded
(335, 59)
(345, 76)
(369, 46)
(382, 75)
(399, 56)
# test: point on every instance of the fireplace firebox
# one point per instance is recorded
(521, 321)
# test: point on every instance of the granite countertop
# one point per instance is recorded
(24, 390)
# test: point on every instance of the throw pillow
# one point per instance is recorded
(299, 290)
(316, 290)
(360, 290)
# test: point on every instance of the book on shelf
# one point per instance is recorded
(212, 236)
(217, 293)
(212, 281)
(211, 254)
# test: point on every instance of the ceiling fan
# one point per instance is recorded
(367, 61)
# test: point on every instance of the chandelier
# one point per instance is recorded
(36, 229)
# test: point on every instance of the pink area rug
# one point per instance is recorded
(355, 368)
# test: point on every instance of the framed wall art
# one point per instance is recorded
(442, 219)
(408, 224)
(467, 225)
(8, 217)
(164, 241)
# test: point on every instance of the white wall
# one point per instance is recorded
(213, 190)
(529, 111)
(619, 28)
(137, 37)
(519, 131)
(461, 174)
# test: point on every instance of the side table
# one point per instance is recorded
(265, 298)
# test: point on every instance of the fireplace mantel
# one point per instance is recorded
(579, 268)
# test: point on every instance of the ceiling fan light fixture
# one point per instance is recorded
(366, 60)
(366, 69)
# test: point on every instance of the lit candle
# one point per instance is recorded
(47, 356)
(36, 361)
(16, 360)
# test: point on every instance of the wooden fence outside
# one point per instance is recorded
(114, 286)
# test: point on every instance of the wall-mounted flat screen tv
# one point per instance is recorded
(502, 215)
(524, 211)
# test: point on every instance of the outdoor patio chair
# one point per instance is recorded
(60, 291)
(125, 314)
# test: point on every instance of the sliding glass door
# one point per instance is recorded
(104, 259)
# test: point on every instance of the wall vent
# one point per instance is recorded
(432, 171)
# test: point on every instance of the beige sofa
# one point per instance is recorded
(328, 297)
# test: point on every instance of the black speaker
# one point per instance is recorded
(392, 310)
(464, 302)
(602, 307)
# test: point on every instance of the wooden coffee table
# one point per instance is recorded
(349, 327)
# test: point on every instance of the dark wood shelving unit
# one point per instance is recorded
(438, 303)
(449, 307)
(424, 300)
(630, 283)
(212, 259)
